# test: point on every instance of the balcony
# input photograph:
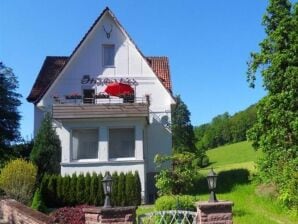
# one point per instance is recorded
(100, 108)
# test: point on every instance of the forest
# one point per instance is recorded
(225, 129)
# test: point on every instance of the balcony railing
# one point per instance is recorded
(107, 100)
(100, 108)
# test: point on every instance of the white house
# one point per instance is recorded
(101, 130)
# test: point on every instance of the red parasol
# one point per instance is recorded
(118, 89)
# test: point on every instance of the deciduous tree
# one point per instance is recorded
(276, 130)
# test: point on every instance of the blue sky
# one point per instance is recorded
(208, 44)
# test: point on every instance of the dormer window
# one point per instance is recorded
(108, 55)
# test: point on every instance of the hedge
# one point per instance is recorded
(57, 191)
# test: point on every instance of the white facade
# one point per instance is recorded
(151, 136)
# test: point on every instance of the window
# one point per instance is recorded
(108, 55)
(88, 95)
(84, 144)
(121, 143)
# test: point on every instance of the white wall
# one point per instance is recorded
(128, 63)
(38, 117)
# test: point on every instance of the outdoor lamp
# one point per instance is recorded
(211, 179)
(107, 187)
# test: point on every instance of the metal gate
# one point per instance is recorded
(168, 217)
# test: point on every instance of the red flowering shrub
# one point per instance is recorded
(69, 215)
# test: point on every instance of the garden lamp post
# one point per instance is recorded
(211, 179)
(107, 187)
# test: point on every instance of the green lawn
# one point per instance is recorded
(234, 163)
(241, 152)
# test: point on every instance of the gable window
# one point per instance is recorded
(84, 144)
(108, 55)
(121, 143)
(88, 95)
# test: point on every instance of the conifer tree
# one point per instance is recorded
(100, 192)
(59, 190)
(38, 202)
(52, 189)
(114, 194)
(80, 191)
(46, 152)
(138, 187)
(9, 103)
(182, 129)
(44, 189)
(130, 190)
(87, 188)
(121, 190)
(73, 189)
(93, 189)
(66, 193)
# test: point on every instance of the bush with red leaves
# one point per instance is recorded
(69, 215)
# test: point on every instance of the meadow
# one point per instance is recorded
(235, 165)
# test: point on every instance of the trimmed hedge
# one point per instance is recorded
(57, 191)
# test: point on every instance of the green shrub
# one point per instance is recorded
(38, 203)
(87, 183)
(114, 198)
(129, 189)
(44, 188)
(67, 195)
(73, 189)
(52, 191)
(179, 179)
(93, 189)
(59, 190)
(69, 191)
(185, 202)
(138, 189)
(17, 179)
(100, 193)
(121, 190)
(80, 189)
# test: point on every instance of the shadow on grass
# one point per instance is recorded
(225, 182)
(239, 212)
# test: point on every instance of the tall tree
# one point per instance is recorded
(182, 129)
(276, 129)
(46, 152)
(9, 103)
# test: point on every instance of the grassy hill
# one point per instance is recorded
(234, 163)
(238, 155)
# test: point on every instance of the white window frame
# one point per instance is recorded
(103, 55)
(121, 158)
(71, 144)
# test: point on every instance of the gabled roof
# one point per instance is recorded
(54, 64)
(49, 71)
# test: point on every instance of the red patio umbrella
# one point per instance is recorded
(118, 89)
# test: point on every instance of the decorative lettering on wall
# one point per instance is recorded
(86, 79)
